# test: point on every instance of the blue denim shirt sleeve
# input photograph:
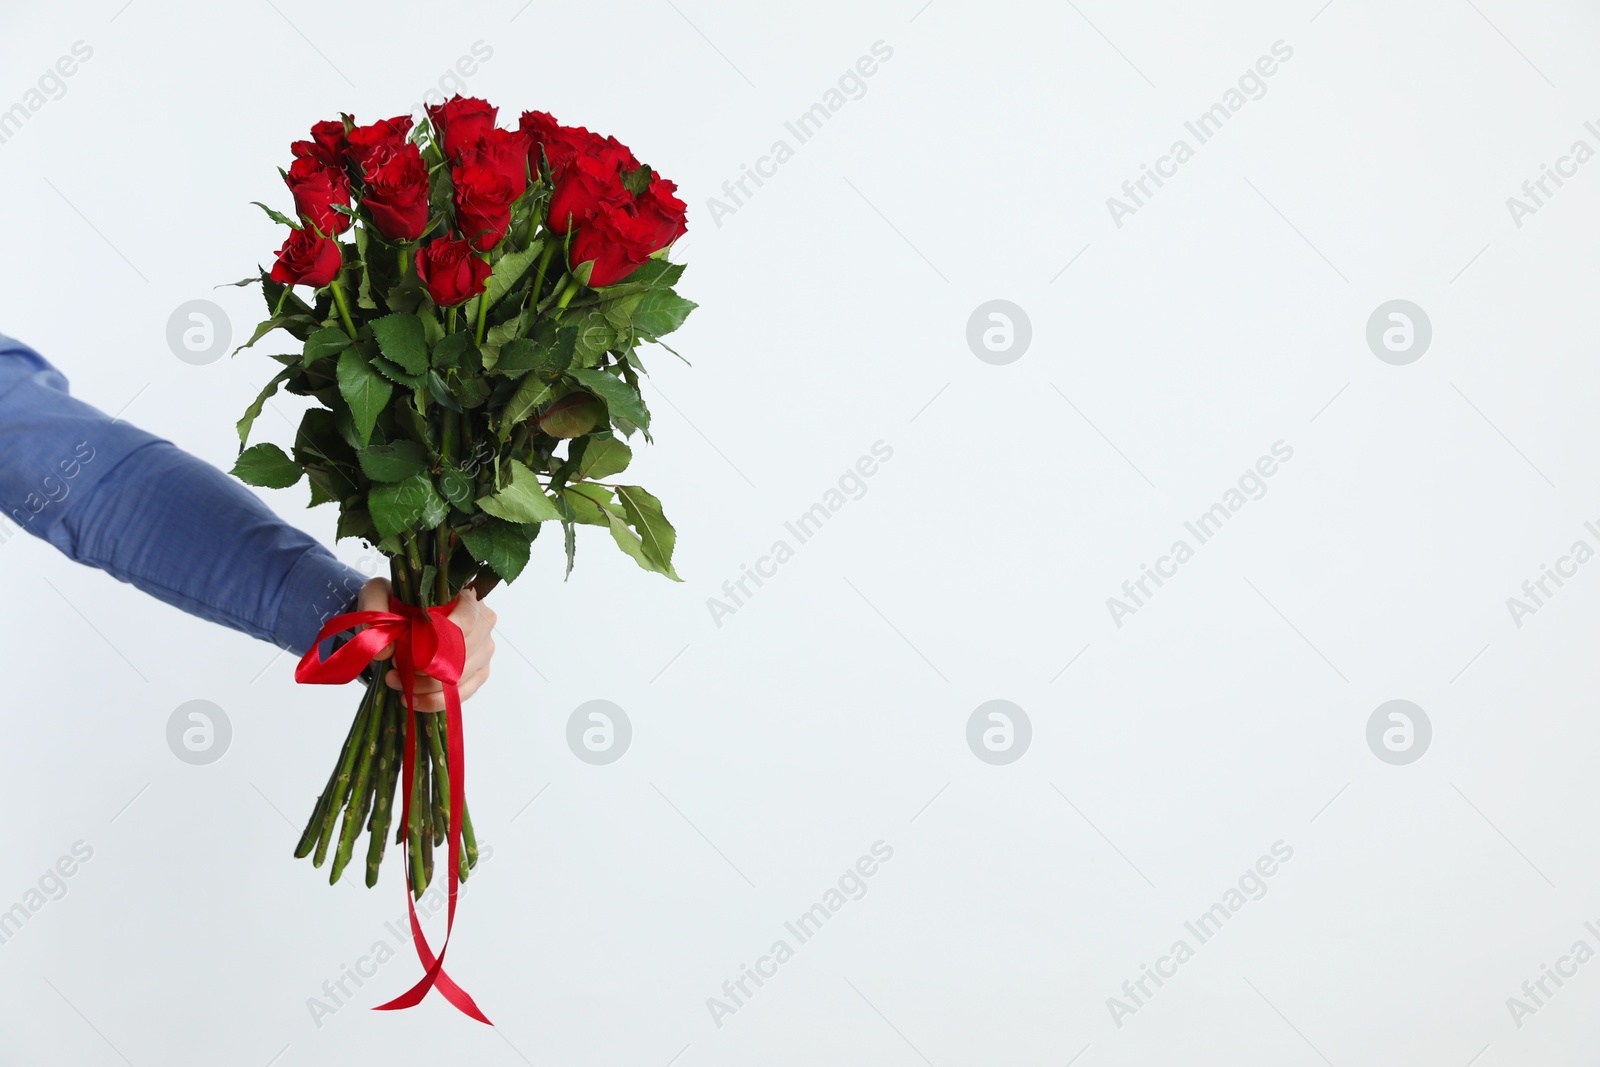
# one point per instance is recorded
(144, 511)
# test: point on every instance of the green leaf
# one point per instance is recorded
(503, 546)
(589, 502)
(254, 410)
(364, 389)
(529, 395)
(521, 501)
(415, 426)
(402, 339)
(441, 392)
(325, 342)
(655, 532)
(449, 351)
(393, 463)
(280, 322)
(551, 350)
(603, 457)
(630, 543)
(572, 416)
(457, 488)
(636, 181)
(398, 374)
(320, 493)
(277, 216)
(653, 274)
(407, 505)
(319, 443)
(364, 290)
(498, 335)
(267, 466)
(661, 311)
(594, 336)
(470, 392)
(355, 522)
(518, 357)
(622, 399)
(619, 312)
(512, 266)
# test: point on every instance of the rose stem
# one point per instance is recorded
(483, 310)
(414, 829)
(355, 810)
(441, 781)
(544, 264)
(309, 837)
(388, 773)
(344, 308)
(424, 818)
(341, 787)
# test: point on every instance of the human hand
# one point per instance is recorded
(477, 626)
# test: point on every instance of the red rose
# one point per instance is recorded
(326, 146)
(397, 194)
(560, 143)
(316, 189)
(452, 273)
(504, 152)
(372, 145)
(660, 207)
(329, 136)
(459, 121)
(589, 183)
(483, 205)
(617, 241)
(307, 259)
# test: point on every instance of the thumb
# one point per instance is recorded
(374, 596)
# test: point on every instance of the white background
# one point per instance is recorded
(770, 752)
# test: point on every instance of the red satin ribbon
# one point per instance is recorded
(427, 642)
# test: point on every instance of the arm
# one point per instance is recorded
(139, 508)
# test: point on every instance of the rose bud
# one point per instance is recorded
(504, 152)
(459, 121)
(307, 259)
(589, 183)
(452, 273)
(328, 136)
(660, 207)
(483, 205)
(560, 144)
(397, 194)
(616, 242)
(316, 189)
(370, 146)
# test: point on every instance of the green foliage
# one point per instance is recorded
(500, 544)
(364, 389)
(572, 416)
(430, 421)
(253, 412)
(661, 311)
(622, 399)
(405, 505)
(328, 341)
(393, 463)
(401, 339)
(266, 466)
(521, 501)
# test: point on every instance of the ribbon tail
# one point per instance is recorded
(434, 976)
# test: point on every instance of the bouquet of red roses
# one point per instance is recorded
(475, 298)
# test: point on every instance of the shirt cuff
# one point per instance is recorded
(317, 588)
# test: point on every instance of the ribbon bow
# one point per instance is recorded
(427, 642)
